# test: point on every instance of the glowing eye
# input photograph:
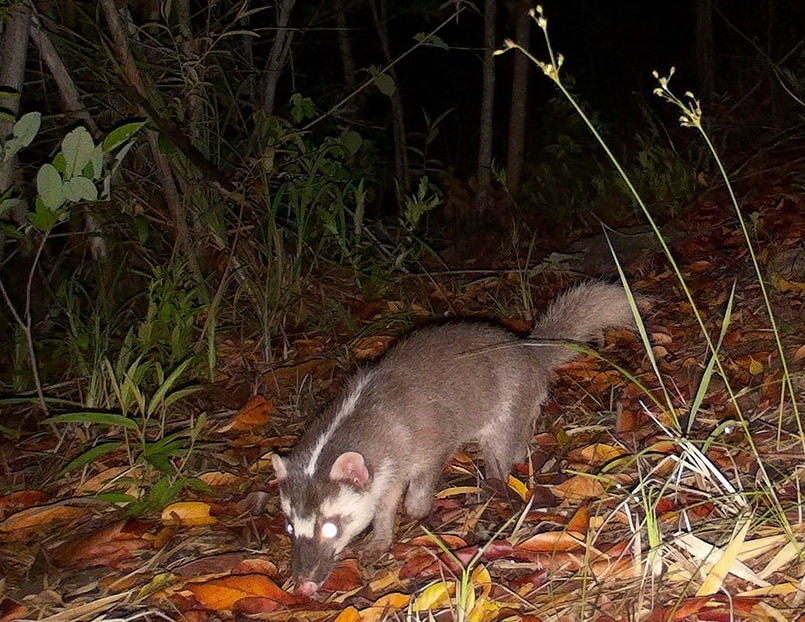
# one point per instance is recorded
(329, 530)
(289, 528)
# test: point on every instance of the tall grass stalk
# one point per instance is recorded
(691, 117)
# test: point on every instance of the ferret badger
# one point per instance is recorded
(400, 421)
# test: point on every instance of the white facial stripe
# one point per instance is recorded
(303, 527)
(345, 410)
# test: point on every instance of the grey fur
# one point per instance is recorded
(436, 390)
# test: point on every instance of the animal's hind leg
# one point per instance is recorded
(422, 489)
(505, 446)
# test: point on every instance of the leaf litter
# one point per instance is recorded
(615, 516)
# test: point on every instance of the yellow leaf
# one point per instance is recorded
(456, 491)
(755, 367)
(432, 597)
(714, 580)
(518, 487)
(187, 513)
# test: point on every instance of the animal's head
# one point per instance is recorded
(325, 510)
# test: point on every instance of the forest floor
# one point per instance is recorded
(621, 514)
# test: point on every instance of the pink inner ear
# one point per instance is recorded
(350, 467)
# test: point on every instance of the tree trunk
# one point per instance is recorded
(519, 104)
(13, 54)
(344, 46)
(186, 246)
(485, 135)
(705, 58)
(280, 53)
(397, 111)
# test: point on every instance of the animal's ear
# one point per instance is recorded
(280, 468)
(350, 468)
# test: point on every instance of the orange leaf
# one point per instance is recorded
(224, 592)
(350, 614)
(580, 521)
(255, 413)
(40, 517)
(370, 348)
(552, 541)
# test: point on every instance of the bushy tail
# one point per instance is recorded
(580, 314)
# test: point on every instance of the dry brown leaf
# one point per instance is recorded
(98, 482)
(113, 546)
(189, 513)
(16, 501)
(370, 348)
(219, 479)
(579, 488)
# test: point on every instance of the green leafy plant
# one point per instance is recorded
(141, 421)
(71, 179)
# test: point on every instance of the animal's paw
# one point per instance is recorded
(374, 551)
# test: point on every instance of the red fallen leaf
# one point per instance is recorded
(11, 610)
(255, 413)
(110, 546)
(345, 577)
(16, 501)
(213, 564)
(423, 565)
(225, 592)
(535, 579)
(498, 549)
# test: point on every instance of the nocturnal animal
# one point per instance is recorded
(397, 423)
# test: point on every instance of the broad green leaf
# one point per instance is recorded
(91, 455)
(43, 218)
(432, 40)
(121, 134)
(77, 148)
(26, 129)
(50, 187)
(385, 84)
(352, 141)
(94, 167)
(60, 163)
(110, 419)
(80, 189)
